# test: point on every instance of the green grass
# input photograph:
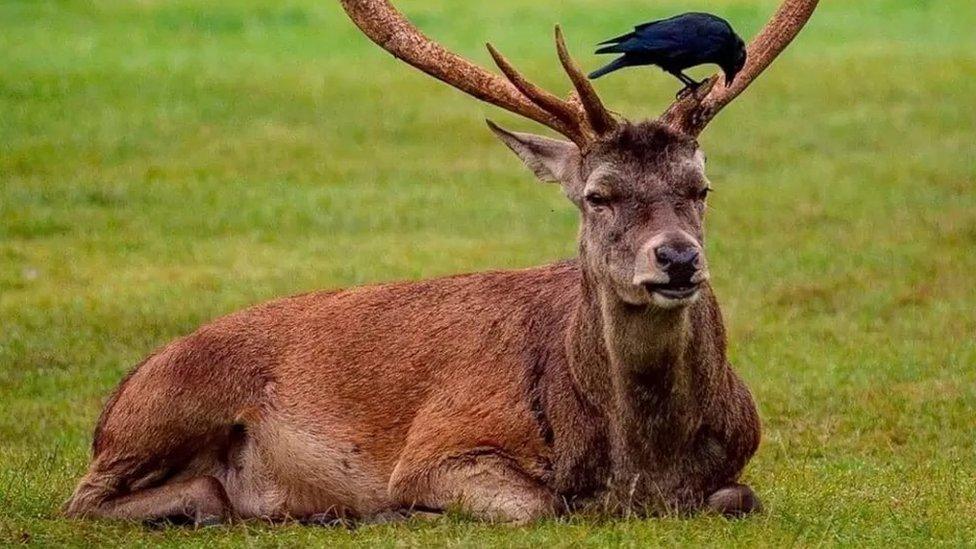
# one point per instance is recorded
(163, 163)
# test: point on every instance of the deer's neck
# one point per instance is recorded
(639, 365)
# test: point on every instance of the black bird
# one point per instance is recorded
(677, 43)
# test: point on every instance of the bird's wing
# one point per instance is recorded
(661, 39)
(690, 36)
(666, 21)
(682, 37)
(688, 25)
(642, 45)
(650, 38)
(637, 29)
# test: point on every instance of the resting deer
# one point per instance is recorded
(513, 395)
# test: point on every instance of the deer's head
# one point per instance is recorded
(641, 192)
(640, 187)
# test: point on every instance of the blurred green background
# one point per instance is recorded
(162, 163)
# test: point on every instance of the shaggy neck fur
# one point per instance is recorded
(639, 365)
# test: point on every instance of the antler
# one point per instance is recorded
(693, 112)
(580, 121)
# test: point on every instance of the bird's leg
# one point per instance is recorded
(690, 85)
(687, 80)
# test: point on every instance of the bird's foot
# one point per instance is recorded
(685, 91)
(690, 88)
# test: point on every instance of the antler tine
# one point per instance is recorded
(549, 102)
(691, 114)
(600, 119)
(388, 28)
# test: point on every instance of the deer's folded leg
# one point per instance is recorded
(487, 485)
(199, 501)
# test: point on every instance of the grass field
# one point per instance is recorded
(163, 163)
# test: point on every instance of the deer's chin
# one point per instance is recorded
(643, 296)
(658, 295)
(667, 295)
(674, 301)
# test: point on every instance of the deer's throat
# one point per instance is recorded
(628, 356)
(648, 383)
(642, 339)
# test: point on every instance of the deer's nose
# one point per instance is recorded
(678, 260)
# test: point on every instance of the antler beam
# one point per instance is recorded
(580, 122)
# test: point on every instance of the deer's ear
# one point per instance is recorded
(551, 160)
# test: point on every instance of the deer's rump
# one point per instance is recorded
(318, 403)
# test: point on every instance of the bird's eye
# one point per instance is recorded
(597, 200)
(703, 194)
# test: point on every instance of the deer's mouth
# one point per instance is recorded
(670, 290)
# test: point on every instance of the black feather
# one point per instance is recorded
(617, 39)
(677, 43)
(617, 63)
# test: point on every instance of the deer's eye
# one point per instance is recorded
(597, 200)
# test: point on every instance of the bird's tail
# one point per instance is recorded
(617, 39)
(617, 63)
(612, 48)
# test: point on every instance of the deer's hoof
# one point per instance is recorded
(735, 500)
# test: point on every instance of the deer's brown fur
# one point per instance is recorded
(600, 381)
(508, 392)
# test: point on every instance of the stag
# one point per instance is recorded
(601, 380)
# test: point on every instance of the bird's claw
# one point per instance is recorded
(690, 89)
